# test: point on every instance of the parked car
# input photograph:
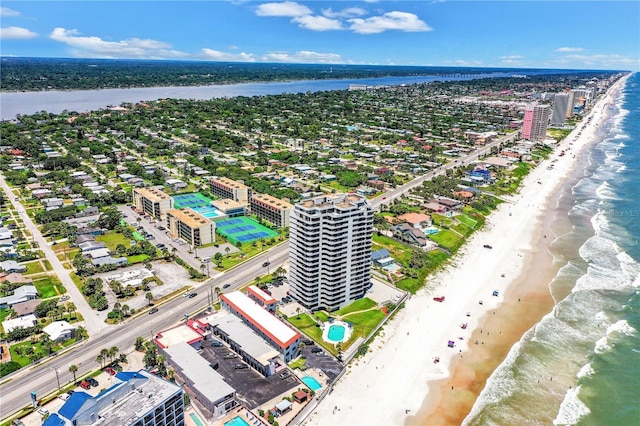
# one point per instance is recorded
(43, 411)
(487, 246)
(309, 342)
(93, 382)
(110, 371)
(316, 350)
(240, 366)
(64, 396)
(217, 343)
(230, 356)
(153, 311)
(70, 392)
(162, 228)
(85, 385)
(284, 375)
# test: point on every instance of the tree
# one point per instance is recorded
(149, 297)
(139, 344)
(227, 249)
(113, 353)
(100, 360)
(298, 311)
(73, 369)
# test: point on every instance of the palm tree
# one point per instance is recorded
(71, 308)
(173, 251)
(203, 267)
(113, 352)
(100, 360)
(227, 249)
(125, 310)
(73, 369)
(149, 297)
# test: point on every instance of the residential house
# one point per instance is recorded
(20, 294)
(10, 266)
(59, 331)
(410, 235)
(25, 308)
(417, 220)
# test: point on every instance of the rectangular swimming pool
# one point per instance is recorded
(237, 421)
(312, 383)
(196, 419)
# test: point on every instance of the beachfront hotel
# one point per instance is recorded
(271, 209)
(275, 332)
(536, 120)
(152, 201)
(230, 207)
(192, 227)
(223, 187)
(330, 250)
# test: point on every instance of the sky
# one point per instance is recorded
(528, 34)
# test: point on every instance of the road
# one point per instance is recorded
(388, 197)
(41, 378)
(93, 324)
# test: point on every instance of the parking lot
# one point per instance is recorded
(252, 387)
(322, 361)
(161, 236)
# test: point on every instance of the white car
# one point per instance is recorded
(64, 396)
(43, 411)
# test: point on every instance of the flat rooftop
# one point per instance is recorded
(260, 294)
(125, 409)
(152, 194)
(229, 182)
(180, 334)
(264, 321)
(198, 371)
(244, 336)
(272, 201)
(227, 204)
(189, 217)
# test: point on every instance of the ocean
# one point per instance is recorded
(579, 365)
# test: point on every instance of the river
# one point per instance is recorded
(14, 103)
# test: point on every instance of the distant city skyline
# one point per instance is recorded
(521, 34)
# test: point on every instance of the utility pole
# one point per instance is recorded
(57, 377)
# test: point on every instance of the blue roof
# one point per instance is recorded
(379, 254)
(53, 420)
(109, 389)
(125, 376)
(73, 404)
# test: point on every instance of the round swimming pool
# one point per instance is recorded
(336, 332)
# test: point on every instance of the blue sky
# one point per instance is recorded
(537, 34)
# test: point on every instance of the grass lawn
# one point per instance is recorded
(33, 267)
(112, 239)
(138, 258)
(400, 252)
(4, 313)
(363, 323)
(410, 284)
(359, 305)
(467, 220)
(299, 363)
(307, 325)
(447, 240)
(49, 287)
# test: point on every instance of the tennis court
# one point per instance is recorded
(243, 229)
(196, 202)
(191, 200)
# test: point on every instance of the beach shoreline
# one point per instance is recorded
(399, 372)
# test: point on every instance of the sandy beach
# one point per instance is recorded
(398, 382)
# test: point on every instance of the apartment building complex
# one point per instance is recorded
(191, 226)
(152, 201)
(271, 209)
(223, 187)
(330, 250)
(536, 120)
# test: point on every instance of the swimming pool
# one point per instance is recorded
(336, 332)
(196, 419)
(237, 421)
(311, 383)
(206, 211)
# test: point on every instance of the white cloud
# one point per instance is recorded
(303, 56)
(217, 55)
(95, 47)
(317, 23)
(569, 49)
(463, 63)
(598, 61)
(349, 12)
(511, 57)
(401, 21)
(5, 11)
(511, 60)
(16, 33)
(287, 8)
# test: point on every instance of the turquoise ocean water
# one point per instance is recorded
(580, 365)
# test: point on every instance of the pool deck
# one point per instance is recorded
(245, 414)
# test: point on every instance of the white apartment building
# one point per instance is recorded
(330, 250)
